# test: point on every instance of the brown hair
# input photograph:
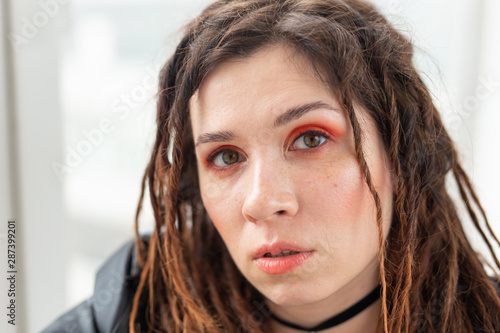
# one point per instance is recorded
(432, 280)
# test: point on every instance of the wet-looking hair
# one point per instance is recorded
(432, 280)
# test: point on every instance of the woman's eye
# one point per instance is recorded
(225, 158)
(308, 140)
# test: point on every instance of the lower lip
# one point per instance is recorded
(282, 265)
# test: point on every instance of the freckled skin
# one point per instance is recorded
(314, 197)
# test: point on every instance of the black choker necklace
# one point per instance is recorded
(339, 318)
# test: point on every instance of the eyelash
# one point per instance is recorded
(314, 132)
(210, 159)
(212, 156)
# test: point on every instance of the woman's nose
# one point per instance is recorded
(270, 194)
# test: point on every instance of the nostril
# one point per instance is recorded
(257, 207)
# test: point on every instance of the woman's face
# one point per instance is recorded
(278, 173)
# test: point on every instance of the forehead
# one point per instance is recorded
(272, 79)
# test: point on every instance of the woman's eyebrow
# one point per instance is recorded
(289, 115)
(298, 111)
(221, 136)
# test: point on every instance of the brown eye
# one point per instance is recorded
(225, 158)
(311, 140)
(229, 157)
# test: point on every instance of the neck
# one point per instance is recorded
(312, 314)
(367, 321)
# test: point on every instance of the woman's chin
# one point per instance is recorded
(292, 297)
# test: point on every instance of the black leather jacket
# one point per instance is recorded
(108, 310)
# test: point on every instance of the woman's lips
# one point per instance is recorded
(283, 264)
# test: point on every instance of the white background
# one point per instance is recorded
(91, 65)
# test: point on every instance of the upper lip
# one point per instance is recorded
(278, 247)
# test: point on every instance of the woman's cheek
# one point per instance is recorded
(338, 194)
(220, 202)
(212, 187)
